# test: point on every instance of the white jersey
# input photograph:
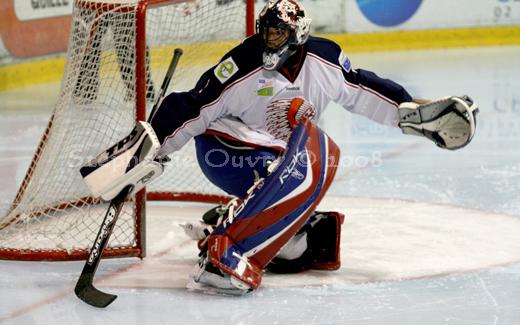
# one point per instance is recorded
(231, 99)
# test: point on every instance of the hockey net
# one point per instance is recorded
(118, 54)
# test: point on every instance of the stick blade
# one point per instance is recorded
(88, 293)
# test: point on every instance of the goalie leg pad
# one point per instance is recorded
(323, 234)
(276, 208)
(131, 161)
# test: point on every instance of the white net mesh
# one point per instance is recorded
(52, 216)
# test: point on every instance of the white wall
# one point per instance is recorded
(336, 16)
(332, 16)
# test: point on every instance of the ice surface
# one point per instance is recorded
(430, 236)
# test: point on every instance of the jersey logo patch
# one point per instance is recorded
(265, 87)
(226, 69)
(344, 61)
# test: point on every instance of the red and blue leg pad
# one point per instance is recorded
(277, 207)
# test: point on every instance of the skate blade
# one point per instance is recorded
(210, 290)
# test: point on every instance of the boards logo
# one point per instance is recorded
(226, 69)
(388, 13)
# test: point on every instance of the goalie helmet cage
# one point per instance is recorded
(117, 57)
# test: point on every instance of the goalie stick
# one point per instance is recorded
(85, 289)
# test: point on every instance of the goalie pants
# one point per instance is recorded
(230, 165)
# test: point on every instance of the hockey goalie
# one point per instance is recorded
(253, 116)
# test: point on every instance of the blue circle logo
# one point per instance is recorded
(388, 13)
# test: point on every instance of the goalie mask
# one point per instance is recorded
(283, 27)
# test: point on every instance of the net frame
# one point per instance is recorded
(139, 201)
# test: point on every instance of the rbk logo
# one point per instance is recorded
(291, 169)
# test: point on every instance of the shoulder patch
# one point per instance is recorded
(344, 61)
(226, 69)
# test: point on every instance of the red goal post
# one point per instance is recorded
(118, 54)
